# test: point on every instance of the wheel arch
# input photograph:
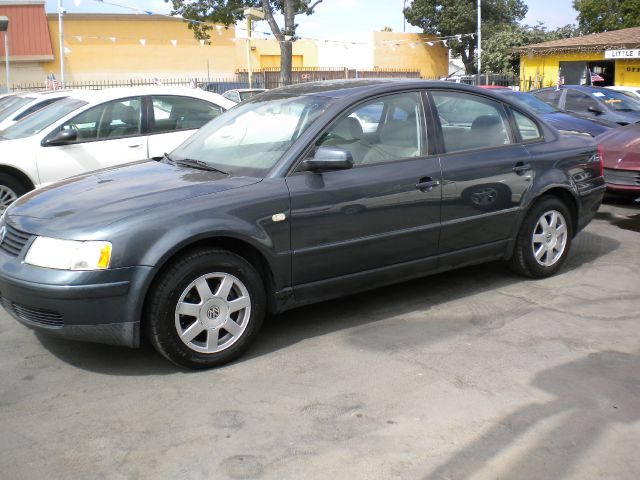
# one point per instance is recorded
(19, 175)
(240, 247)
(568, 197)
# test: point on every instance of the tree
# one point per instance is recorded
(595, 16)
(228, 12)
(455, 17)
(496, 50)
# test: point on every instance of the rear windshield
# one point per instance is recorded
(532, 103)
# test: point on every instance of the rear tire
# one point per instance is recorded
(10, 190)
(205, 308)
(544, 239)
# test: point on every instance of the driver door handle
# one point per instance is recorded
(426, 184)
(137, 145)
(521, 167)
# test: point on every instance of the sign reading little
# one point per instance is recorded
(622, 54)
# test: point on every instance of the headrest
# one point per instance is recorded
(348, 128)
(486, 122)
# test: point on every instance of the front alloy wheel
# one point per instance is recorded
(213, 312)
(205, 308)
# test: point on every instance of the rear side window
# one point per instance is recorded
(527, 127)
(550, 96)
(470, 122)
(173, 113)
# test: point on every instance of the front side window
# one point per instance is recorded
(173, 113)
(579, 102)
(110, 120)
(470, 122)
(383, 130)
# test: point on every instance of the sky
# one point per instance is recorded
(332, 17)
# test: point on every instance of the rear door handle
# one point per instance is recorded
(138, 145)
(426, 184)
(521, 167)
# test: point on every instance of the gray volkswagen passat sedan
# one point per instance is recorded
(287, 200)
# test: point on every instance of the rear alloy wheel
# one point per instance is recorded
(544, 239)
(205, 308)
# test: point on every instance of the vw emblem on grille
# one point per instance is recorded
(3, 232)
(213, 312)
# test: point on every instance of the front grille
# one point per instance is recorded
(622, 177)
(14, 240)
(38, 316)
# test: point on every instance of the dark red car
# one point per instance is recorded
(620, 153)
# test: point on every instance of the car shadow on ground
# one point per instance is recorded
(589, 396)
(360, 310)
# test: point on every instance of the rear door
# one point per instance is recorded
(174, 118)
(485, 169)
(108, 134)
(382, 212)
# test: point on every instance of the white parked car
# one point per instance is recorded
(18, 106)
(633, 92)
(94, 129)
(238, 95)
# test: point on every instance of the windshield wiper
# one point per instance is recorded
(171, 160)
(190, 162)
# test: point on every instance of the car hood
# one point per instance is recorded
(562, 121)
(92, 201)
(621, 148)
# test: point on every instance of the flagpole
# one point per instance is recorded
(61, 35)
(479, 41)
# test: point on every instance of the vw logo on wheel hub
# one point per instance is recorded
(213, 312)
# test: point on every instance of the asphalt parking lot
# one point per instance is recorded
(472, 374)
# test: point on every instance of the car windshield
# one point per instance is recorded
(12, 106)
(617, 100)
(529, 101)
(41, 119)
(250, 139)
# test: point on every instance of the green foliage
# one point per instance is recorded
(496, 50)
(453, 17)
(595, 16)
(228, 12)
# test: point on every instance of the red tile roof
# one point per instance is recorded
(29, 37)
(616, 39)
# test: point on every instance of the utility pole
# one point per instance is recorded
(61, 35)
(251, 13)
(4, 27)
(479, 49)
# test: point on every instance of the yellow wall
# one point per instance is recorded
(545, 68)
(394, 50)
(93, 55)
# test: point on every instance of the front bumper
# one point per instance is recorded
(102, 307)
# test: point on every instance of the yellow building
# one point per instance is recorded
(614, 56)
(117, 48)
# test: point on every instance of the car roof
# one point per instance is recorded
(97, 96)
(357, 87)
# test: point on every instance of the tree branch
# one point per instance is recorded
(268, 15)
(310, 9)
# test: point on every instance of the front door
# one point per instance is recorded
(384, 211)
(107, 135)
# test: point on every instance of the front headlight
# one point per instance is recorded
(69, 254)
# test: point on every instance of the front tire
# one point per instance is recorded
(205, 308)
(544, 239)
(10, 190)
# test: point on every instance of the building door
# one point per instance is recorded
(574, 73)
(606, 69)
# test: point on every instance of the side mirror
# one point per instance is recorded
(595, 110)
(328, 158)
(63, 137)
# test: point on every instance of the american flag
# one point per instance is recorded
(596, 78)
(52, 82)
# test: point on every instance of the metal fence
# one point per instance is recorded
(270, 78)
